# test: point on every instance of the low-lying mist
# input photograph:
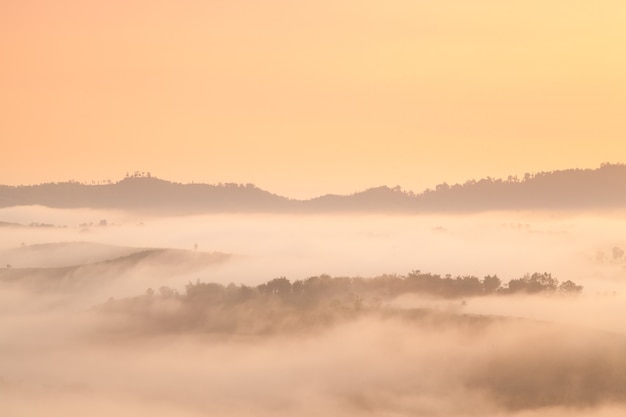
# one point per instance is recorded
(96, 318)
(376, 364)
(575, 245)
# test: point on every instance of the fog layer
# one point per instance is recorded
(62, 353)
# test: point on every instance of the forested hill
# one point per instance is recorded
(573, 189)
(145, 193)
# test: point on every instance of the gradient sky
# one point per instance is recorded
(302, 97)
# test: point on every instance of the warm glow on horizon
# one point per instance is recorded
(306, 98)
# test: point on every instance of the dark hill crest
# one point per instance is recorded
(571, 189)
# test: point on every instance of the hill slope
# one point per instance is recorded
(157, 262)
(573, 189)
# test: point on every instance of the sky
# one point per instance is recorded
(305, 98)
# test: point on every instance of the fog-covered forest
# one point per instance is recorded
(279, 306)
(338, 208)
(123, 313)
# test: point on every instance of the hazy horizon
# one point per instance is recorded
(577, 190)
(217, 181)
(462, 249)
(305, 99)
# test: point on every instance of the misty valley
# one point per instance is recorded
(110, 312)
(312, 208)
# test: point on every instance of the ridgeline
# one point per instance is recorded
(603, 188)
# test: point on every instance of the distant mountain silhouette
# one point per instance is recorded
(146, 194)
(572, 189)
(379, 199)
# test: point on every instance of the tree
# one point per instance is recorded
(209, 292)
(167, 292)
(569, 287)
(280, 286)
(535, 283)
(491, 284)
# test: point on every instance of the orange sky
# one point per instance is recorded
(303, 97)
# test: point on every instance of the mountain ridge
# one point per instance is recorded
(577, 189)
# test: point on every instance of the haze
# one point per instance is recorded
(310, 98)
(289, 208)
(63, 355)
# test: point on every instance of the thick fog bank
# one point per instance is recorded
(63, 354)
(377, 365)
(580, 247)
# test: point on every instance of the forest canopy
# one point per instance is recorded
(280, 305)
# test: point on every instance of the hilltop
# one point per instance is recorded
(572, 189)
